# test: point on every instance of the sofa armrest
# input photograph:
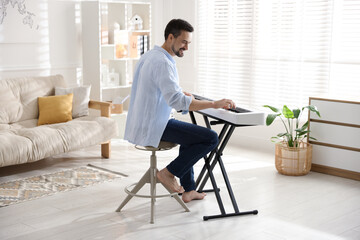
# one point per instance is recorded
(104, 107)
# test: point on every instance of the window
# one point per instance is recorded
(278, 51)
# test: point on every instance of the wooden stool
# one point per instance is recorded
(150, 177)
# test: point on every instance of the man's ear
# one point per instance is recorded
(171, 37)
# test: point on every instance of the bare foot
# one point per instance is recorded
(168, 179)
(192, 195)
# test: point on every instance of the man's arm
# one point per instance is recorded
(203, 104)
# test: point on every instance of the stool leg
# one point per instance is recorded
(177, 198)
(139, 185)
(181, 203)
(153, 176)
(152, 184)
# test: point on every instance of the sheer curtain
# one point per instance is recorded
(278, 51)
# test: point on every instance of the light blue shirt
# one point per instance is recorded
(155, 92)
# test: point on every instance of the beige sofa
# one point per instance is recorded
(22, 141)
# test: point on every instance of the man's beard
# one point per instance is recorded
(177, 53)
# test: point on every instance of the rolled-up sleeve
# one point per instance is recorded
(167, 81)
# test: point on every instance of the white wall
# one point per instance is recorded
(184, 9)
(51, 46)
(55, 48)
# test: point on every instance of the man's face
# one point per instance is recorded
(180, 44)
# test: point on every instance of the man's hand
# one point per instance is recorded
(201, 104)
(224, 103)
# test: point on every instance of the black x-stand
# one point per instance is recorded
(211, 160)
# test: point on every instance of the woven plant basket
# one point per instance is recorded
(293, 161)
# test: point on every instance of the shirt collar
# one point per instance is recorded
(166, 53)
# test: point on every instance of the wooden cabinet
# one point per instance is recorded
(337, 149)
(114, 36)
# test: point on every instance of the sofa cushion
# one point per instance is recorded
(14, 149)
(27, 124)
(18, 96)
(24, 124)
(80, 101)
(4, 126)
(10, 107)
(55, 109)
(76, 133)
(22, 144)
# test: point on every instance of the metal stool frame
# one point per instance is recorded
(151, 178)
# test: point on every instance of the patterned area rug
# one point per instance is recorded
(39, 186)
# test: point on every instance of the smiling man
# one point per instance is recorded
(155, 92)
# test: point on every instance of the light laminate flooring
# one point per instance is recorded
(315, 206)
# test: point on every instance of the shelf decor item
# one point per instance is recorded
(104, 36)
(136, 23)
(113, 79)
(104, 75)
(120, 41)
(293, 154)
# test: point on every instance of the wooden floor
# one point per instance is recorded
(315, 206)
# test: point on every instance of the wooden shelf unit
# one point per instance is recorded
(100, 48)
(337, 148)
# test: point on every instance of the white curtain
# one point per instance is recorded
(278, 51)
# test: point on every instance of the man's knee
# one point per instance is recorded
(214, 139)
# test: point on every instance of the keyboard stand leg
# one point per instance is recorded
(217, 194)
(211, 156)
(210, 162)
(223, 171)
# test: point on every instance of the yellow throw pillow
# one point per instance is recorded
(55, 109)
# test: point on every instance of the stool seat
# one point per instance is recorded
(162, 146)
(151, 178)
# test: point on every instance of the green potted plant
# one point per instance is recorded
(293, 153)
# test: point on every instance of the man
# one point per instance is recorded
(155, 92)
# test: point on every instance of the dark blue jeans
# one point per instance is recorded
(195, 142)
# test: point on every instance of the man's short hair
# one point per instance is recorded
(175, 27)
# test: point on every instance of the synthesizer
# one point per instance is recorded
(236, 116)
